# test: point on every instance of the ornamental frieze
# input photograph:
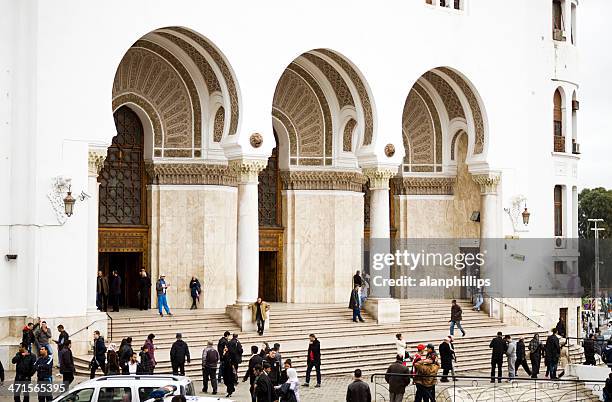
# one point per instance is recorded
(424, 185)
(322, 180)
(190, 173)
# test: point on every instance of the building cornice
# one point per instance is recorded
(190, 173)
(322, 180)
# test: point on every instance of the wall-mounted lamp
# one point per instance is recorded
(62, 201)
(526, 214)
(520, 220)
(475, 217)
(69, 201)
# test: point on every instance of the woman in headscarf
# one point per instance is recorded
(112, 360)
(290, 390)
(535, 355)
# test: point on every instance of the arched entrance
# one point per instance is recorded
(272, 278)
(122, 225)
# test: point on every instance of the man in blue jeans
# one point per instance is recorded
(162, 287)
(355, 304)
(456, 317)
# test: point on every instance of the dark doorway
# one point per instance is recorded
(471, 270)
(270, 288)
(563, 316)
(128, 266)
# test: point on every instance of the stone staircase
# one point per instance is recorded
(344, 345)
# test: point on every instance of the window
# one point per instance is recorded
(561, 268)
(559, 139)
(455, 4)
(145, 392)
(82, 395)
(573, 38)
(558, 211)
(115, 394)
(557, 21)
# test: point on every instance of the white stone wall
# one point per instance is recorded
(193, 232)
(323, 244)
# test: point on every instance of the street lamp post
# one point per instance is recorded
(596, 229)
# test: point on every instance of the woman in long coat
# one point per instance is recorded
(228, 372)
(196, 290)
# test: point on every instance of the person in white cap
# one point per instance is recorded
(162, 287)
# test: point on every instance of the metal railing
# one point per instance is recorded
(480, 388)
(525, 316)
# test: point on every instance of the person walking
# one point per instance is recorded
(43, 336)
(447, 355)
(478, 299)
(521, 357)
(63, 337)
(151, 351)
(44, 374)
(355, 304)
(179, 352)
(510, 357)
(398, 378)
(162, 298)
(552, 352)
(358, 391)
(112, 360)
(223, 341)
(210, 361)
(456, 317)
(99, 355)
(289, 390)
(264, 391)
(259, 312)
(24, 362)
(196, 289)
(498, 349)
(144, 290)
(102, 292)
(236, 351)
(125, 354)
(255, 360)
(229, 376)
(535, 355)
(425, 379)
(66, 363)
(114, 290)
(313, 359)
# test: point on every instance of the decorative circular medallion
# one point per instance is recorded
(256, 140)
(389, 150)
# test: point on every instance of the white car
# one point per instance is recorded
(127, 388)
(194, 399)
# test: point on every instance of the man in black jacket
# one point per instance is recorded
(27, 337)
(358, 391)
(264, 391)
(63, 337)
(498, 349)
(313, 360)
(210, 361)
(589, 351)
(178, 353)
(355, 304)
(521, 357)
(144, 290)
(223, 341)
(236, 351)
(552, 352)
(115, 290)
(66, 362)
(275, 370)
(24, 369)
(99, 358)
(447, 355)
(250, 375)
(44, 374)
(397, 383)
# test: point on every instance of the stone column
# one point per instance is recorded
(247, 241)
(95, 163)
(488, 183)
(379, 303)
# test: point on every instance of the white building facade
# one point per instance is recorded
(263, 143)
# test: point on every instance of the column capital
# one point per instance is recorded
(379, 176)
(247, 170)
(96, 157)
(487, 181)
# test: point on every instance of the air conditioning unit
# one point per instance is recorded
(575, 148)
(575, 105)
(560, 242)
(558, 34)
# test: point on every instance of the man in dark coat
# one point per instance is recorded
(313, 360)
(255, 360)
(447, 355)
(456, 317)
(521, 357)
(144, 290)
(114, 290)
(66, 362)
(397, 383)
(358, 391)
(236, 351)
(99, 358)
(275, 369)
(44, 374)
(355, 304)
(102, 292)
(264, 391)
(27, 336)
(561, 327)
(498, 349)
(24, 369)
(535, 355)
(63, 337)
(589, 351)
(223, 341)
(357, 280)
(552, 352)
(178, 353)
